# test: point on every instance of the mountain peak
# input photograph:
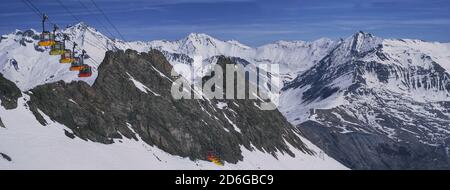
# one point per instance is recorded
(323, 40)
(363, 41)
(199, 36)
(81, 26)
(362, 34)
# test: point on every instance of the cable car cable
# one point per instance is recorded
(98, 20)
(107, 19)
(77, 20)
(35, 8)
(68, 10)
(40, 13)
(32, 8)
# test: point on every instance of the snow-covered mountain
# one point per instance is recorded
(36, 67)
(124, 117)
(376, 103)
(370, 103)
(293, 56)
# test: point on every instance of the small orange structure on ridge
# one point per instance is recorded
(214, 159)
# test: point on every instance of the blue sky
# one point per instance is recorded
(253, 22)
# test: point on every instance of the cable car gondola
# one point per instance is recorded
(59, 47)
(78, 63)
(68, 56)
(86, 71)
(46, 38)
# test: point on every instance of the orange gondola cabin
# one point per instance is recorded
(77, 64)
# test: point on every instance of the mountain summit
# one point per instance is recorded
(369, 102)
(376, 103)
(125, 117)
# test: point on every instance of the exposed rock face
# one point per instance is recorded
(9, 93)
(6, 157)
(373, 105)
(115, 107)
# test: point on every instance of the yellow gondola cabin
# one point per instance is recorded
(58, 48)
(67, 57)
(47, 39)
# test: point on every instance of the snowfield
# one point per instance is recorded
(33, 146)
(30, 145)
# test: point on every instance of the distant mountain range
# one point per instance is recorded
(124, 117)
(368, 102)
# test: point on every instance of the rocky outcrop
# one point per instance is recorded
(375, 108)
(372, 150)
(1, 123)
(9, 93)
(114, 107)
(6, 157)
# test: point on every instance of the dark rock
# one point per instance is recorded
(36, 113)
(35, 37)
(28, 33)
(113, 107)
(359, 150)
(22, 42)
(1, 123)
(182, 58)
(6, 157)
(9, 93)
(3, 38)
(39, 48)
(69, 134)
(398, 136)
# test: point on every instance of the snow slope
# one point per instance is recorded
(292, 56)
(36, 66)
(50, 148)
(401, 54)
(408, 62)
(383, 97)
(33, 146)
